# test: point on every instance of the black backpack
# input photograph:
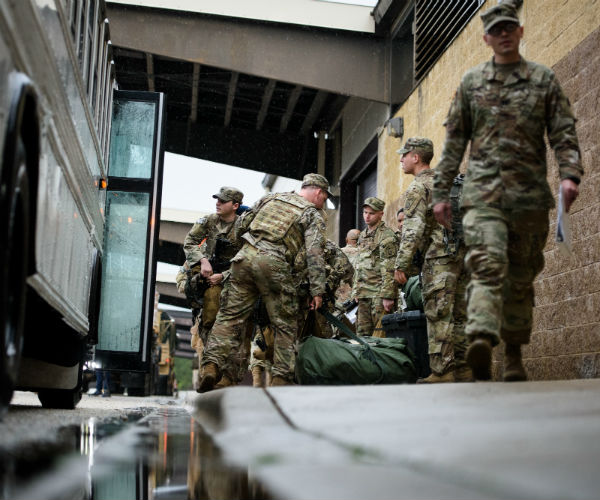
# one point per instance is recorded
(453, 239)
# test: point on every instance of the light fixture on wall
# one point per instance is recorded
(395, 126)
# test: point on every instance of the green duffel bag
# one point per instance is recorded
(343, 362)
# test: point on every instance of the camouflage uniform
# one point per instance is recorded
(344, 291)
(504, 111)
(374, 275)
(184, 282)
(201, 242)
(443, 277)
(338, 270)
(276, 228)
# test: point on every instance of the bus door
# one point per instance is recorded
(132, 214)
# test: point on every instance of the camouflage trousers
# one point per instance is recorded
(254, 273)
(370, 311)
(504, 255)
(444, 282)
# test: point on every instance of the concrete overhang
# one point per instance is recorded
(338, 61)
(317, 13)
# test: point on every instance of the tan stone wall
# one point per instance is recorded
(565, 35)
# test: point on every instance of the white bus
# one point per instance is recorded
(56, 105)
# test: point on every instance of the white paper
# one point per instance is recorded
(563, 227)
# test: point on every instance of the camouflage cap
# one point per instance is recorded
(375, 203)
(505, 11)
(316, 180)
(229, 194)
(421, 143)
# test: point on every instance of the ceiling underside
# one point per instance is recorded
(233, 118)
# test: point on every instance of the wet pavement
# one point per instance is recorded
(130, 448)
(529, 440)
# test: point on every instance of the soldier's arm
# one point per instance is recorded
(339, 269)
(562, 135)
(193, 241)
(458, 133)
(314, 242)
(415, 210)
(387, 255)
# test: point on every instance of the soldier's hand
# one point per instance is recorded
(316, 302)
(570, 191)
(215, 279)
(443, 214)
(205, 268)
(388, 305)
(400, 277)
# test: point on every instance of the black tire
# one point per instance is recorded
(15, 228)
(64, 399)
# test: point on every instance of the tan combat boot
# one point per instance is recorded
(210, 374)
(514, 371)
(224, 382)
(278, 380)
(434, 378)
(257, 377)
(463, 374)
(479, 358)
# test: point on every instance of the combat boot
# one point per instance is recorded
(257, 377)
(479, 358)
(514, 371)
(224, 382)
(278, 380)
(437, 379)
(210, 374)
(463, 374)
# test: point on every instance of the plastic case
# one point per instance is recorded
(412, 326)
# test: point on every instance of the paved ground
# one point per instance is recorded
(28, 424)
(484, 440)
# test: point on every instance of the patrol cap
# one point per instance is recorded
(505, 11)
(316, 180)
(421, 143)
(229, 194)
(375, 203)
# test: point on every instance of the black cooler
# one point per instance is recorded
(412, 326)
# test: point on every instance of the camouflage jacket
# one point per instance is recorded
(374, 270)
(337, 268)
(201, 241)
(308, 224)
(504, 118)
(421, 233)
(351, 252)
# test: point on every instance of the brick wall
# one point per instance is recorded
(565, 35)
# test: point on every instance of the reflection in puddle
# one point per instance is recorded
(165, 455)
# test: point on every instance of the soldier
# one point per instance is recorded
(210, 244)
(504, 107)
(274, 231)
(374, 287)
(400, 216)
(443, 276)
(351, 248)
(338, 270)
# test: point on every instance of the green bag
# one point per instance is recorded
(342, 362)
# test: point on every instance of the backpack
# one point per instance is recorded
(453, 239)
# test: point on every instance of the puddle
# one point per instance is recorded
(164, 455)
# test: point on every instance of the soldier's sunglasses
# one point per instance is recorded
(497, 29)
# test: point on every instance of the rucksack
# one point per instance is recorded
(453, 239)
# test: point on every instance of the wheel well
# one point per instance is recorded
(30, 132)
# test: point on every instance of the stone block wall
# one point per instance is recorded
(565, 35)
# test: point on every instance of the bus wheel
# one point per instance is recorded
(65, 399)
(14, 221)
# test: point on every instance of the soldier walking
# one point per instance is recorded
(443, 275)
(274, 231)
(210, 246)
(374, 287)
(504, 107)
